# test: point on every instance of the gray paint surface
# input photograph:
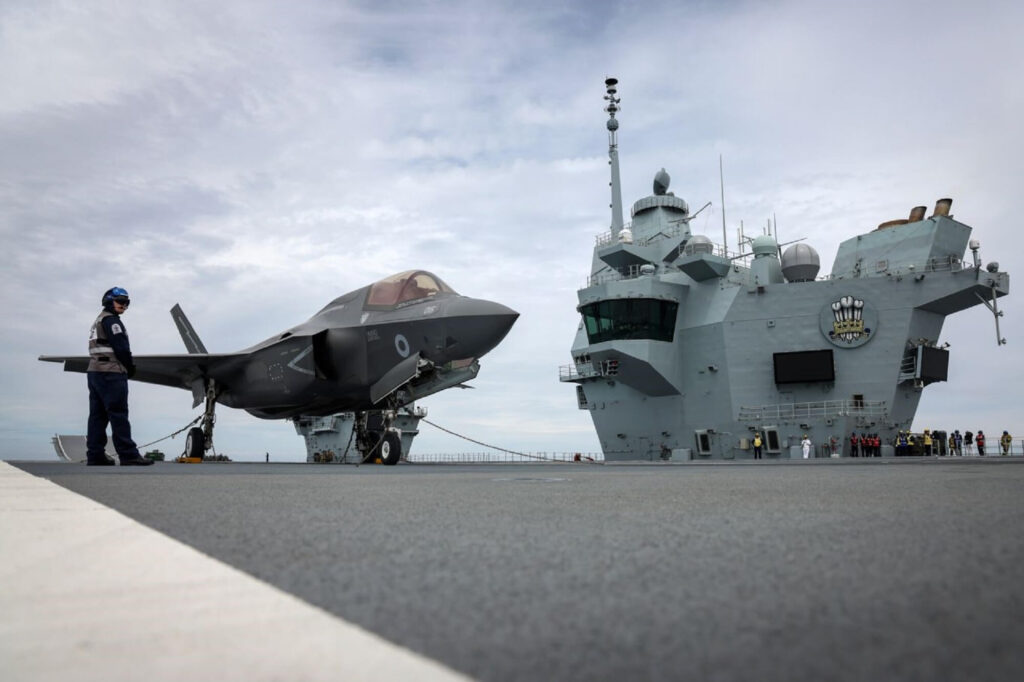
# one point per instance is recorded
(888, 294)
(840, 570)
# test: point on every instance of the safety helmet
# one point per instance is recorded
(115, 293)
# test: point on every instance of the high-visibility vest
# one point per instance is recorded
(101, 353)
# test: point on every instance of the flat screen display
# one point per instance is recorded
(804, 366)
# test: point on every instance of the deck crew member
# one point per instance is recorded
(980, 442)
(110, 367)
(805, 444)
(1004, 442)
(757, 445)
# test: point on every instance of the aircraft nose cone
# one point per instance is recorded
(477, 325)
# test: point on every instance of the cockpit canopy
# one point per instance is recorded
(405, 287)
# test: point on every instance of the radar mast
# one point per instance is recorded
(613, 154)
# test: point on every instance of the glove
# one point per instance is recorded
(130, 370)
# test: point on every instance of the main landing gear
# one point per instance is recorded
(200, 438)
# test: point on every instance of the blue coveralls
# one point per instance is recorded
(108, 394)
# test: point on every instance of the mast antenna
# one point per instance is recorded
(721, 183)
(613, 153)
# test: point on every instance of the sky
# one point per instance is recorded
(252, 160)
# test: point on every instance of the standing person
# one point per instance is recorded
(969, 442)
(952, 444)
(805, 444)
(876, 446)
(927, 438)
(1004, 442)
(901, 444)
(853, 443)
(959, 443)
(980, 441)
(757, 445)
(110, 367)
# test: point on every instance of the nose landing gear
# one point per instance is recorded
(377, 438)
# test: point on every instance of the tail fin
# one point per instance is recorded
(188, 334)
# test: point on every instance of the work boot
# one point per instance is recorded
(136, 461)
(99, 462)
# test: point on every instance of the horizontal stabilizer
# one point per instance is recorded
(178, 371)
(188, 333)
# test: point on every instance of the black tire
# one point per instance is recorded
(195, 443)
(390, 449)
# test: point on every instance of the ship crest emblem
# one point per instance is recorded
(848, 321)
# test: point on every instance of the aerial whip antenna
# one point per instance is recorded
(613, 154)
(721, 184)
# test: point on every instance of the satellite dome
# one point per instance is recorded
(800, 263)
(764, 245)
(698, 244)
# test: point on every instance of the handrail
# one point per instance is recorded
(886, 267)
(577, 372)
(811, 410)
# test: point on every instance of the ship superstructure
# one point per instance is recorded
(686, 350)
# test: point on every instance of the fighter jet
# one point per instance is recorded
(370, 351)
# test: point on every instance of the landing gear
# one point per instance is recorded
(390, 448)
(200, 438)
(377, 439)
(195, 443)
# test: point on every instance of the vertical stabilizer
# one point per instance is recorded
(188, 334)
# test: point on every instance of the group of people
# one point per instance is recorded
(967, 441)
(865, 445)
(958, 444)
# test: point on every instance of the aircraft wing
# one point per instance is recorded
(178, 371)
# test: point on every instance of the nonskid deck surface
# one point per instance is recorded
(890, 569)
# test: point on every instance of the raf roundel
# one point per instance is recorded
(402, 345)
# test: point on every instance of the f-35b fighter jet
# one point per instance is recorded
(370, 351)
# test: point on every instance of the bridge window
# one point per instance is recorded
(630, 318)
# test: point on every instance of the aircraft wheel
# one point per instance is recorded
(390, 448)
(194, 443)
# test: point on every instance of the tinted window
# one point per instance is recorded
(630, 318)
(412, 285)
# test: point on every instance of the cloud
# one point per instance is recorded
(253, 160)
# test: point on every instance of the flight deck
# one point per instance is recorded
(891, 569)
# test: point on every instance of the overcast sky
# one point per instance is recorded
(253, 160)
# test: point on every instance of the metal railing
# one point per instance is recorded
(901, 269)
(613, 275)
(577, 372)
(813, 410)
(504, 457)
